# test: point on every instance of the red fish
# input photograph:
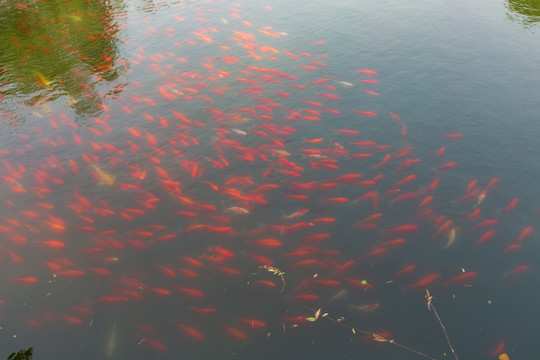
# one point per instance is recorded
(525, 232)
(433, 184)
(204, 311)
(384, 161)
(253, 323)
(492, 183)
(407, 163)
(497, 350)
(512, 247)
(194, 293)
(425, 281)
(156, 345)
(402, 229)
(191, 332)
(405, 180)
(405, 270)
(487, 235)
(446, 166)
(367, 71)
(53, 243)
(511, 205)
(315, 238)
(375, 252)
(26, 280)
(266, 283)
(305, 297)
(390, 243)
(463, 277)
(487, 223)
(472, 215)
(519, 270)
(366, 113)
(269, 243)
(440, 152)
(235, 333)
(452, 136)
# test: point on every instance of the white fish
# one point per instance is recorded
(239, 132)
(237, 210)
(451, 237)
(344, 83)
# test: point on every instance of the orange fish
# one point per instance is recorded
(191, 332)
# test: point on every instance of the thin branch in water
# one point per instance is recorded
(429, 299)
(374, 336)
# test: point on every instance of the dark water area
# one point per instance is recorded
(197, 179)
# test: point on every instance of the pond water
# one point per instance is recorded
(197, 179)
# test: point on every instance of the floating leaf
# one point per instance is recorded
(311, 319)
(318, 313)
(503, 356)
(353, 331)
(364, 282)
(379, 338)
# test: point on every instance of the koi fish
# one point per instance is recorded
(102, 176)
(481, 198)
(451, 237)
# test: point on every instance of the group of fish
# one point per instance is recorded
(204, 193)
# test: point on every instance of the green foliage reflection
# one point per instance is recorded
(526, 12)
(52, 48)
(22, 355)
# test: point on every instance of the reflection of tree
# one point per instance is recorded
(526, 12)
(55, 48)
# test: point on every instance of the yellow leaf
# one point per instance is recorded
(503, 356)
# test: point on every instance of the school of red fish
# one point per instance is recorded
(180, 193)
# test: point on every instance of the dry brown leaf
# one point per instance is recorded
(379, 338)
